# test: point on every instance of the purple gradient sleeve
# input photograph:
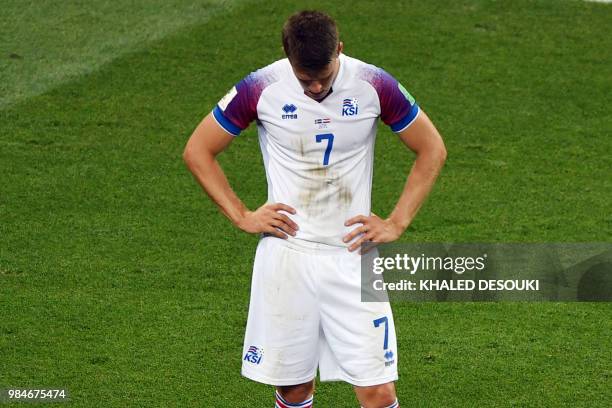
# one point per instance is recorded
(239, 107)
(397, 107)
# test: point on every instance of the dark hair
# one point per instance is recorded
(310, 39)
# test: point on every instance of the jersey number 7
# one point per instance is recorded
(330, 144)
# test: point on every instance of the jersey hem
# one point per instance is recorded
(314, 245)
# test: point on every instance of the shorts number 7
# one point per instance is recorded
(330, 144)
(385, 321)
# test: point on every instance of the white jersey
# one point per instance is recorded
(318, 155)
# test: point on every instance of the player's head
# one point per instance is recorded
(310, 40)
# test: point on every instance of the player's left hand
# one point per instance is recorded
(373, 229)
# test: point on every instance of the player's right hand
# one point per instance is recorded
(268, 219)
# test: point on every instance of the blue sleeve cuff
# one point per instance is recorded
(225, 123)
(407, 120)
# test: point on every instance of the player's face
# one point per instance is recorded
(318, 84)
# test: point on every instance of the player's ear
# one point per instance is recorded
(340, 47)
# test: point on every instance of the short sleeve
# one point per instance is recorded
(398, 109)
(238, 108)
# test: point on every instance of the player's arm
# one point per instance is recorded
(422, 138)
(207, 141)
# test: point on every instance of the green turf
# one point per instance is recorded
(49, 42)
(120, 281)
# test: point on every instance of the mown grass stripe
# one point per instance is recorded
(46, 43)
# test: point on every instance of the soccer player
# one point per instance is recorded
(316, 113)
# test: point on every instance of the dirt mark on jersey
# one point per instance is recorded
(301, 146)
(324, 192)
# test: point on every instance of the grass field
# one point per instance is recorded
(120, 280)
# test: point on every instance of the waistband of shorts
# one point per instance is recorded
(307, 246)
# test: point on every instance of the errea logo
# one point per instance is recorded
(389, 358)
(289, 110)
(350, 107)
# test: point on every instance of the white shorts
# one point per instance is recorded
(306, 312)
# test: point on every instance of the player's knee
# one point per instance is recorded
(377, 396)
(295, 394)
